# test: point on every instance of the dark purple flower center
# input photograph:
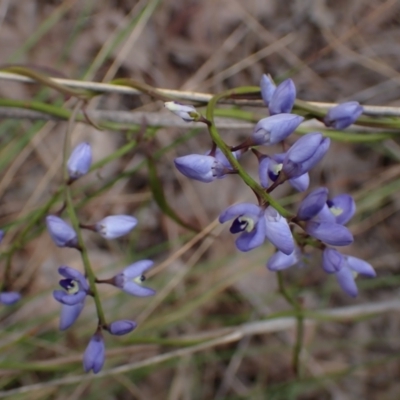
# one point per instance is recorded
(70, 285)
(241, 224)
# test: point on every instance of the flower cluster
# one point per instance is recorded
(321, 219)
(75, 286)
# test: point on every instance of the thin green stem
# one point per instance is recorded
(75, 222)
(300, 323)
(266, 198)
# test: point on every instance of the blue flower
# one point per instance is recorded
(121, 327)
(1, 235)
(305, 154)
(346, 268)
(94, 356)
(249, 221)
(342, 207)
(270, 167)
(255, 224)
(321, 223)
(274, 129)
(75, 286)
(9, 298)
(79, 161)
(72, 297)
(131, 278)
(205, 168)
(283, 99)
(114, 226)
(186, 112)
(343, 115)
(268, 88)
(62, 234)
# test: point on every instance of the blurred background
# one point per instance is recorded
(334, 51)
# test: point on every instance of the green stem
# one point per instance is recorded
(300, 323)
(257, 189)
(75, 222)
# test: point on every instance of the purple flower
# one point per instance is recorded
(79, 161)
(312, 204)
(131, 278)
(121, 327)
(342, 207)
(343, 115)
(304, 154)
(9, 298)
(271, 167)
(205, 168)
(346, 269)
(249, 221)
(114, 226)
(255, 224)
(72, 297)
(75, 287)
(94, 356)
(280, 261)
(283, 99)
(187, 113)
(278, 231)
(329, 233)
(267, 87)
(62, 234)
(1, 235)
(274, 129)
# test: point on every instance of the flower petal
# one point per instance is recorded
(137, 290)
(333, 234)
(278, 231)
(332, 261)
(69, 314)
(361, 266)
(280, 261)
(237, 210)
(137, 269)
(250, 240)
(346, 281)
(301, 183)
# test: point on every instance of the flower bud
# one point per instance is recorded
(283, 98)
(268, 88)
(79, 161)
(9, 298)
(62, 234)
(94, 356)
(305, 154)
(187, 113)
(114, 226)
(274, 129)
(343, 115)
(121, 327)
